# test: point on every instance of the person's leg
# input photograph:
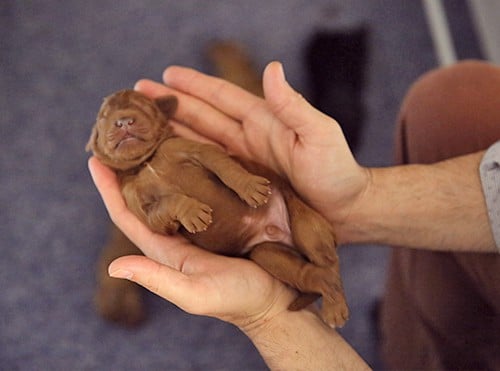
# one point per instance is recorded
(442, 310)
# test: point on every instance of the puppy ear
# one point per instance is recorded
(92, 143)
(167, 105)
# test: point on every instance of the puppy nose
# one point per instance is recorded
(124, 121)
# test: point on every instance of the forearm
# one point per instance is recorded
(301, 341)
(438, 207)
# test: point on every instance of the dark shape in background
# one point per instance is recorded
(335, 63)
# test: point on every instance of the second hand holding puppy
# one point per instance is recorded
(283, 132)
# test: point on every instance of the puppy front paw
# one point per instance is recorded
(255, 190)
(196, 217)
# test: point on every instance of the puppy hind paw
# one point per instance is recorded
(335, 314)
(334, 311)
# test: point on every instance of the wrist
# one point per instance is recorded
(351, 227)
(381, 211)
(300, 340)
(252, 321)
(436, 206)
(279, 339)
(263, 328)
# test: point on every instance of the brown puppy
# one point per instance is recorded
(176, 185)
(120, 300)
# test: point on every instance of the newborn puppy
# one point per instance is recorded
(227, 206)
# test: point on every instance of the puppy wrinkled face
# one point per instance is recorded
(127, 132)
(129, 128)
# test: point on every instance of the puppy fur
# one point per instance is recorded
(221, 203)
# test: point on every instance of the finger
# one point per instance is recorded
(169, 283)
(188, 133)
(164, 248)
(152, 88)
(291, 107)
(200, 118)
(107, 184)
(233, 100)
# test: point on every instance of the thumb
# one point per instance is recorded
(290, 107)
(160, 279)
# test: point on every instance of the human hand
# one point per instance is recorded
(282, 131)
(199, 282)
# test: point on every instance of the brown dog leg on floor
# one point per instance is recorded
(232, 62)
(118, 300)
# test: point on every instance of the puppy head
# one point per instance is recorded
(130, 127)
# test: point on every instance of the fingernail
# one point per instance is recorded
(137, 85)
(122, 273)
(281, 71)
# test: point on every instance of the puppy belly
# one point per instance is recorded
(272, 226)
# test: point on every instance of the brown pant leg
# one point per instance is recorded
(442, 310)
